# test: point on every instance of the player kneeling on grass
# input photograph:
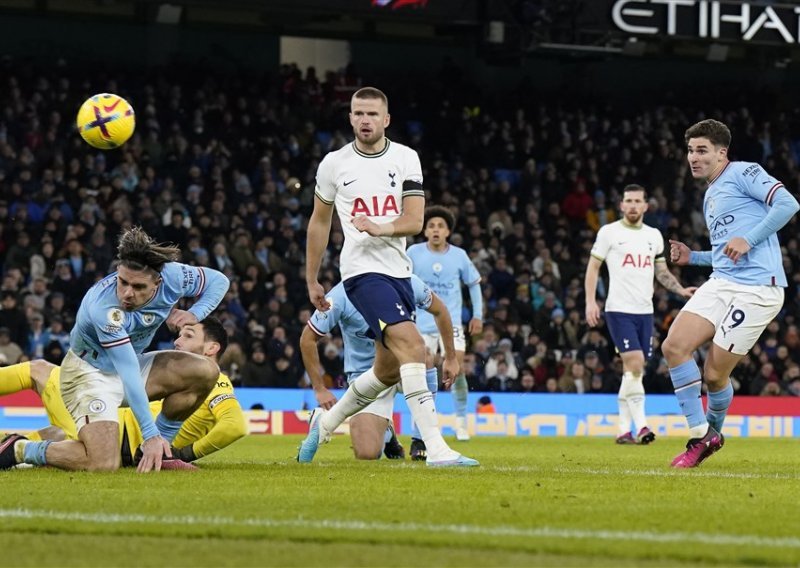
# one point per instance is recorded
(217, 423)
(368, 427)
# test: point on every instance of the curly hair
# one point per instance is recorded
(443, 213)
(138, 251)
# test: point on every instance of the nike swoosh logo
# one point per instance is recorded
(112, 107)
(348, 182)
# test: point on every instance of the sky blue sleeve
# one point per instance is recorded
(700, 258)
(127, 365)
(209, 286)
(322, 323)
(784, 206)
(423, 296)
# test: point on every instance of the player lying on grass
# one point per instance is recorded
(368, 426)
(216, 424)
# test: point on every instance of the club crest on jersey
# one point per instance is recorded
(437, 267)
(391, 177)
(148, 319)
(373, 208)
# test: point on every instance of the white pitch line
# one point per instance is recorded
(427, 528)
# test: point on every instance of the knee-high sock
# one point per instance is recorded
(15, 378)
(362, 392)
(423, 411)
(460, 394)
(635, 398)
(432, 378)
(718, 404)
(688, 383)
(622, 404)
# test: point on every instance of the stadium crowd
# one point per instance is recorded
(224, 166)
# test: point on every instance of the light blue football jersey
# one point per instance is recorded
(737, 200)
(109, 338)
(359, 350)
(443, 272)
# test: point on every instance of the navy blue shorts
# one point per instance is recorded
(381, 300)
(631, 332)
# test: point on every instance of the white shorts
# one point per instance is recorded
(434, 343)
(91, 395)
(383, 405)
(739, 312)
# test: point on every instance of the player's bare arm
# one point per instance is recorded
(590, 288)
(310, 356)
(444, 324)
(668, 281)
(319, 229)
(409, 223)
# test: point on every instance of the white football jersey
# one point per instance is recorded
(373, 185)
(630, 254)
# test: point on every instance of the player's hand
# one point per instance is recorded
(364, 225)
(736, 248)
(592, 314)
(179, 318)
(678, 253)
(153, 450)
(688, 292)
(475, 326)
(450, 370)
(316, 293)
(325, 398)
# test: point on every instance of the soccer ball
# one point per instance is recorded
(106, 121)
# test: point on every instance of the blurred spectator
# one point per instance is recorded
(485, 406)
(10, 352)
(13, 319)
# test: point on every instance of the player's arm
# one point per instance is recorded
(318, 232)
(125, 362)
(229, 426)
(590, 289)
(473, 282)
(209, 286)
(444, 324)
(409, 223)
(310, 356)
(667, 280)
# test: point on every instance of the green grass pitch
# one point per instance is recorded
(534, 502)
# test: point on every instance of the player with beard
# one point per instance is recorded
(634, 253)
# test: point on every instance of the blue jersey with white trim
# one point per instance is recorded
(359, 350)
(443, 272)
(737, 200)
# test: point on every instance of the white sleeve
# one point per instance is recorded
(602, 244)
(326, 182)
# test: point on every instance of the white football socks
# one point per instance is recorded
(362, 392)
(423, 411)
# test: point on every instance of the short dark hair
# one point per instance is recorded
(444, 213)
(371, 93)
(138, 251)
(714, 130)
(634, 187)
(213, 330)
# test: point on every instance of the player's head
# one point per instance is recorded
(369, 115)
(439, 222)
(207, 338)
(139, 268)
(707, 144)
(634, 203)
